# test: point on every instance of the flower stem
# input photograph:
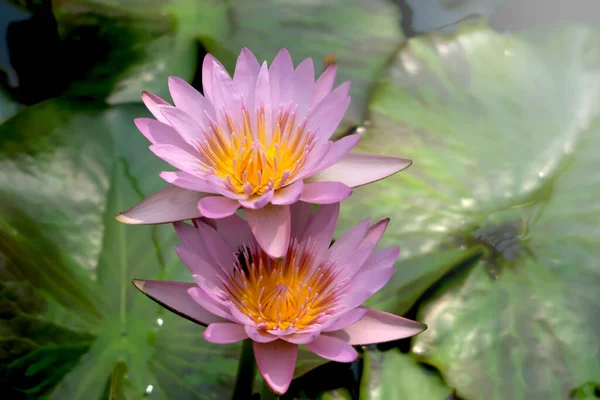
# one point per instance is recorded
(245, 373)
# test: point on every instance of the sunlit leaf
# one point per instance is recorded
(504, 132)
(393, 375)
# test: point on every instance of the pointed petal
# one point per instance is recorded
(239, 316)
(346, 319)
(325, 192)
(152, 102)
(323, 85)
(329, 113)
(235, 232)
(224, 332)
(366, 284)
(377, 327)
(338, 150)
(289, 194)
(176, 157)
(187, 181)
(321, 228)
(301, 87)
(158, 133)
(332, 349)
(262, 102)
(376, 231)
(270, 226)
(216, 207)
(246, 72)
(198, 265)
(280, 72)
(189, 236)
(302, 214)
(209, 65)
(201, 297)
(167, 205)
(186, 126)
(350, 240)
(189, 100)
(359, 169)
(216, 246)
(276, 362)
(381, 259)
(175, 298)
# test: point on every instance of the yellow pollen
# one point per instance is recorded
(253, 161)
(290, 292)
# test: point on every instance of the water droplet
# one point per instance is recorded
(361, 130)
(149, 389)
(541, 174)
(159, 321)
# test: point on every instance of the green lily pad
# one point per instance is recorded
(393, 375)
(65, 170)
(504, 132)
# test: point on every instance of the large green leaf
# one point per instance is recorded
(65, 171)
(505, 136)
(393, 375)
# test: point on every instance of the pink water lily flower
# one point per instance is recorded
(312, 296)
(259, 140)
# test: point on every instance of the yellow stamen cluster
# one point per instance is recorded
(247, 160)
(290, 292)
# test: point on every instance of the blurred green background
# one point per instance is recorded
(497, 102)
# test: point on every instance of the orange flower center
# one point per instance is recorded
(290, 292)
(247, 160)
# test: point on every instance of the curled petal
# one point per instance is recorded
(167, 205)
(257, 202)
(276, 362)
(289, 194)
(224, 332)
(216, 207)
(377, 327)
